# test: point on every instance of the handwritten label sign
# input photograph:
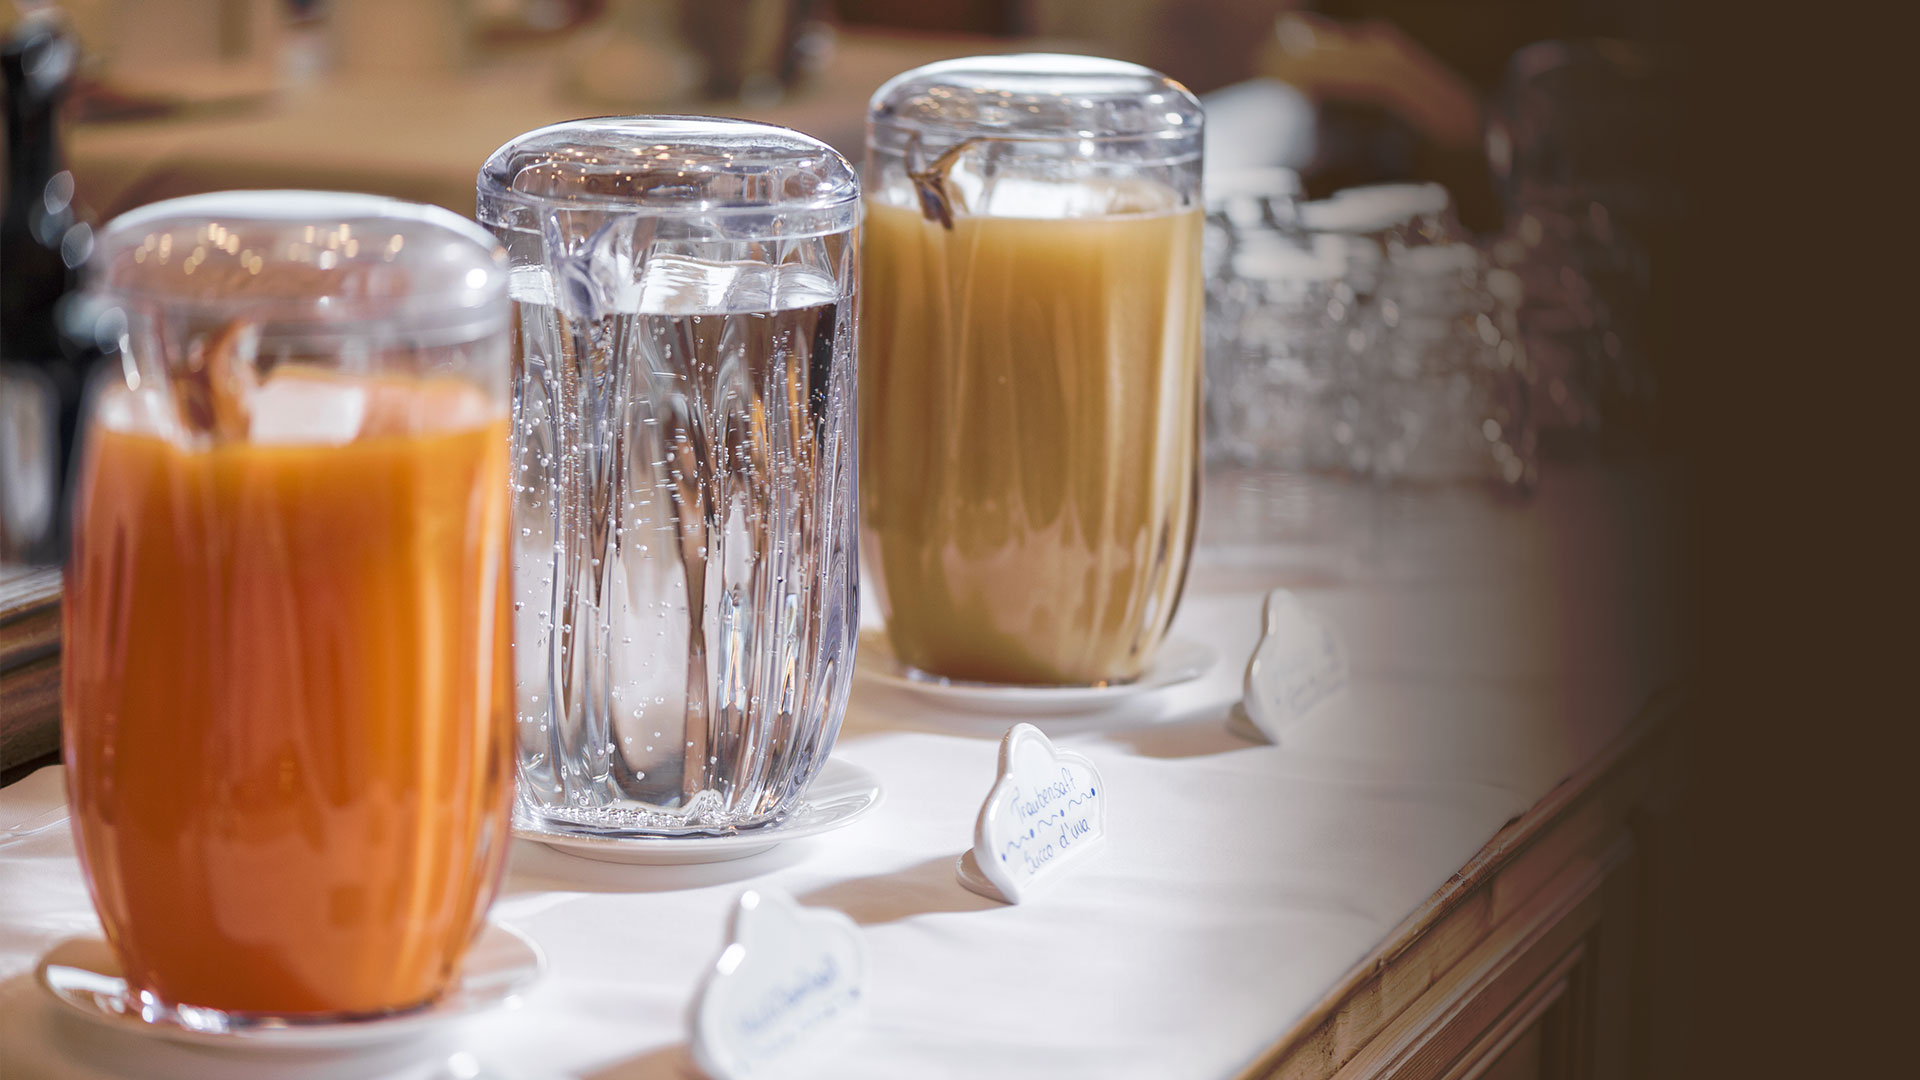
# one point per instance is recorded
(779, 997)
(1047, 812)
(1299, 667)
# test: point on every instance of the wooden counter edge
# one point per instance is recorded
(1304, 1049)
(29, 667)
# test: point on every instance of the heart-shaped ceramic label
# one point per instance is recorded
(782, 994)
(1046, 813)
(1299, 667)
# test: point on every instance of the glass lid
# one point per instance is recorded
(1041, 96)
(764, 179)
(306, 257)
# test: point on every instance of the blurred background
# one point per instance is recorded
(1487, 299)
(1437, 241)
(1551, 126)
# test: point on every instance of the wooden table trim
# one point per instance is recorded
(29, 667)
(1461, 900)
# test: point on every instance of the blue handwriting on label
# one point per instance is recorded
(1057, 820)
(807, 998)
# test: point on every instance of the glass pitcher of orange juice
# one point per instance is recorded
(1030, 358)
(287, 713)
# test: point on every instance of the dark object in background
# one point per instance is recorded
(43, 243)
(39, 64)
(1000, 18)
(660, 57)
(723, 33)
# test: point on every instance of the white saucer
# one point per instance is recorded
(841, 794)
(1181, 660)
(83, 975)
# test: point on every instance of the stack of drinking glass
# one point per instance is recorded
(1363, 364)
(1581, 139)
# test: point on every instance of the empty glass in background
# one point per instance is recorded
(1450, 391)
(1264, 297)
(683, 472)
(1582, 140)
(1283, 385)
(1448, 394)
(1363, 364)
(1365, 227)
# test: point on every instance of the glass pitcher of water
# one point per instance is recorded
(685, 593)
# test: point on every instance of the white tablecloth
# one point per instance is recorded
(1240, 883)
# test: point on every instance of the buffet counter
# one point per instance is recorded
(1443, 877)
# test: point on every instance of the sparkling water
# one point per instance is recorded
(685, 578)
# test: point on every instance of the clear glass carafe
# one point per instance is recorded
(1030, 388)
(686, 603)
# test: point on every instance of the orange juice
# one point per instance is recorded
(287, 701)
(1029, 437)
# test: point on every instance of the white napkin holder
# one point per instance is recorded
(1299, 668)
(1046, 814)
(784, 992)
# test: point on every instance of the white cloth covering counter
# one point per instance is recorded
(1241, 881)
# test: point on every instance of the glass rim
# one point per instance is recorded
(274, 204)
(985, 134)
